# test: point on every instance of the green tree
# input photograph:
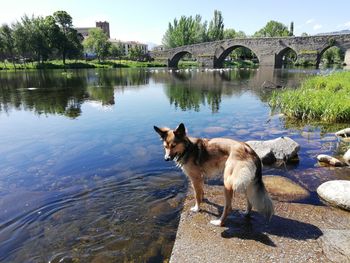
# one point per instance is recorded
(273, 29)
(68, 38)
(291, 29)
(216, 27)
(185, 31)
(229, 33)
(304, 34)
(8, 47)
(97, 43)
(135, 53)
(117, 50)
(332, 55)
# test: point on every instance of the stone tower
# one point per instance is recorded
(104, 26)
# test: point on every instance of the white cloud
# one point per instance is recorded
(317, 26)
(310, 21)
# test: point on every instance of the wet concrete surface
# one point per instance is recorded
(296, 233)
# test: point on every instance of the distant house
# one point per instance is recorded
(127, 45)
(159, 48)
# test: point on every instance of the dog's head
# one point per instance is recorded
(173, 141)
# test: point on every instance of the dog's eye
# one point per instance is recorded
(173, 145)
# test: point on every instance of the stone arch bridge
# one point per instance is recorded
(269, 51)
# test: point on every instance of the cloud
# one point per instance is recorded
(317, 26)
(310, 21)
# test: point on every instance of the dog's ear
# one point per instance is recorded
(180, 131)
(162, 132)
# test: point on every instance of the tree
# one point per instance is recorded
(273, 29)
(185, 31)
(135, 53)
(116, 50)
(97, 43)
(8, 47)
(291, 29)
(304, 34)
(67, 38)
(229, 33)
(216, 27)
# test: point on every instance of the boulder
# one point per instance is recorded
(329, 160)
(336, 192)
(270, 85)
(335, 244)
(284, 189)
(282, 148)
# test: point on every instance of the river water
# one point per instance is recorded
(82, 176)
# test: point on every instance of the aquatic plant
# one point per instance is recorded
(320, 98)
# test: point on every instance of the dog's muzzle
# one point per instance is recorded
(168, 158)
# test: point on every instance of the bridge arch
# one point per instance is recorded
(344, 50)
(174, 60)
(222, 53)
(281, 59)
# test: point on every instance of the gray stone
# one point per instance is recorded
(270, 85)
(336, 192)
(336, 244)
(324, 158)
(282, 148)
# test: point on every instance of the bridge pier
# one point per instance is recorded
(206, 61)
(267, 60)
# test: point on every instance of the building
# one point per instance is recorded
(84, 31)
(127, 45)
(159, 48)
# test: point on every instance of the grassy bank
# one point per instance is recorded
(76, 64)
(320, 98)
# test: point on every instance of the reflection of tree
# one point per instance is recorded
(188, 98)
(57, 92)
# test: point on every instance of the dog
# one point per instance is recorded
(199, 157)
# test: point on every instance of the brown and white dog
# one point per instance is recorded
(200, 157)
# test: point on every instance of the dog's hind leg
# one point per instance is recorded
(249, 208)
(227, 208)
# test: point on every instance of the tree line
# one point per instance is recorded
(40, 38)
(192, 30)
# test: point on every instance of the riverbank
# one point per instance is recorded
(319, 98)
(80, 64)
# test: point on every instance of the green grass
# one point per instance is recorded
(75, 64)
(320, 98)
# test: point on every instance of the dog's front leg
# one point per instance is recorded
(197, 185)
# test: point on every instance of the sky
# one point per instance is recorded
(147, 21)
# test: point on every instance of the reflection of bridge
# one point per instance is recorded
(270, 51)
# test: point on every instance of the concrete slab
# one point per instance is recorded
(296, 233)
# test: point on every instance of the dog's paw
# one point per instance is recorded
(195, 209)
(216, 222)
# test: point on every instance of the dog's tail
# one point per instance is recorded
(257, 194)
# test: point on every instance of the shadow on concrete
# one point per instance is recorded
(257, 228)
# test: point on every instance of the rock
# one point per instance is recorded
(282, 148)
(336, 244)
(284, 189)
(346, 157)
(266, 155)
(343, 133)
(336, 192)
(270, 85)
(329, 160)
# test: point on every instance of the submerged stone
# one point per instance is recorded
(329, 160)
(284, 189)
(343, 133)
